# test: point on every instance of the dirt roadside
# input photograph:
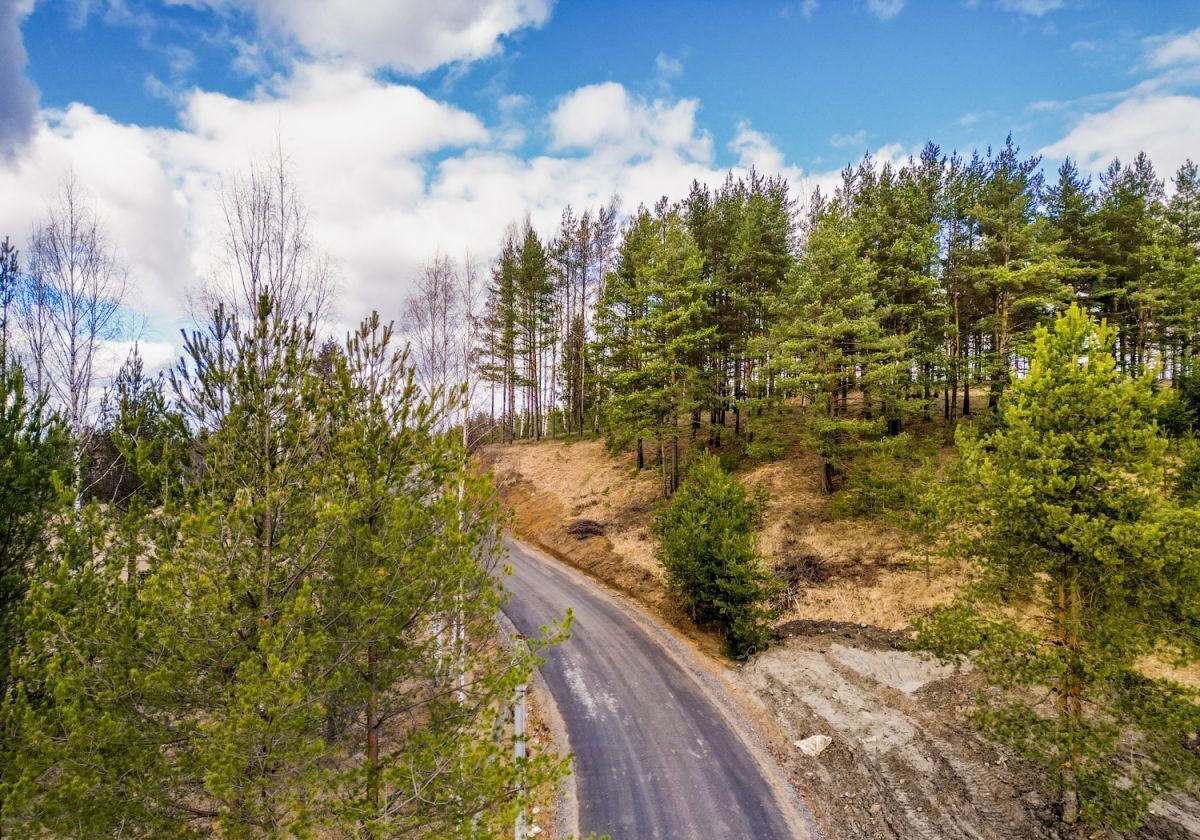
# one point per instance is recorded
(901, 760)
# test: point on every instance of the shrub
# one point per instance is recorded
(885, 477)
(707, 547)
(1187, 482)
(1188, 388)
(1083, 568)
(766, 440)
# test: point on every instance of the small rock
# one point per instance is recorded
(813, 745)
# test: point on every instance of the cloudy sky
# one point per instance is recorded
(414, 126)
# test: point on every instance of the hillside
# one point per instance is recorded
(902, 760)
(845, 569)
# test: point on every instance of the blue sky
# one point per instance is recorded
(822, 81)
(413, 127)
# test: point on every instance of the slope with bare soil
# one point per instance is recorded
(551, 486)
(850, 570)
(839, 569)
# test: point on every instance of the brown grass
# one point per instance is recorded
(868, 577)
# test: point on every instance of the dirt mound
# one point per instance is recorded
(581, 529)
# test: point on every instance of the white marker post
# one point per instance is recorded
(519, 752)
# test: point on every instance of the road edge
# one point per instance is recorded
(566, 813)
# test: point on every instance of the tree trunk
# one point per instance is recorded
(827, 476)
(373, 723)
(1069, 699)
(674, 463)
(663, 479)
(966, 386)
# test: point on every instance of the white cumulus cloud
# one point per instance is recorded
(1160, 115)
(412, 36)
(1174, 50)
(849, 141)
(606, 118)
(1036, 8)
(755, 149)
(1164, 126)
(390, 175)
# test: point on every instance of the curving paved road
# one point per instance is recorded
(654, 755)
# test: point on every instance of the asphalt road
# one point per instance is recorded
(655, 757)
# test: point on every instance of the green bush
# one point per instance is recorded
(1179, 412)
(1175, 416)
(707, 547)
(766, 440)
(881, 478)
(1188, 388)
(1187, 483)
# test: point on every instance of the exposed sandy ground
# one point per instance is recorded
(579, 480)
(547, 486)
(861, 571)
(866, 576)
(903, 761)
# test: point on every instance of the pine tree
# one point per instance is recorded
(1073, 226)
(1131, 215)
(10, 287)
(654, 327)
(761, 258)
(1021, 283)
(1181, 304)
(623, 338)
(227, 661)
(961, 184)
(34, 452)
(895, 212)
(414, 543)
(827, 337)
(707, 547)
(534, 322)
(1088, 566)
(500, 336)
(139, 449)
(1183, 209)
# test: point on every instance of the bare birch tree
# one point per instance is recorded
(267, 249)
(439, 320)
(70, 306)
(266, 252)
